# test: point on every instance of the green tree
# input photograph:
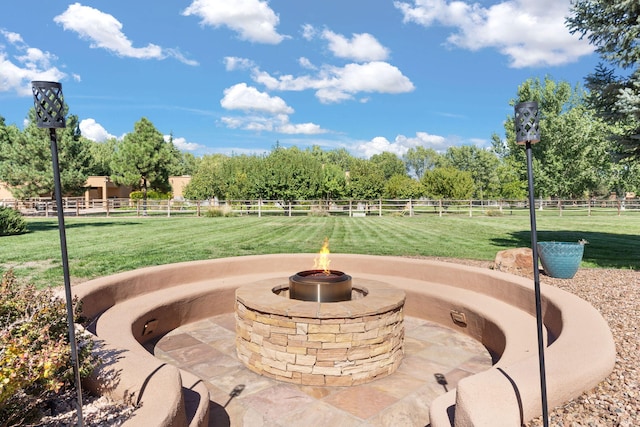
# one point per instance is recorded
(143, 159)
(289, 174)
(573, 157)
(101, 156)
(389, 164)
(418, 160)
(447, 183)
(512, 186)
(402, 187)
(339, 157)
(613, 27)
(181, 163)
(365, 180)
(25, 162)
(483, 166)
(334, 181)
(239, 177)
(207, 181)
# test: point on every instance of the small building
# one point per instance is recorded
(101, 187)
(178, 183)
(5, 193)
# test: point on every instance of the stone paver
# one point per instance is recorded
(207, 349)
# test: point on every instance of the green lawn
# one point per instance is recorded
(101, 246)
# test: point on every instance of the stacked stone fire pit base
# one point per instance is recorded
(326, 344)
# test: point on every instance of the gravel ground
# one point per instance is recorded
(615, 402)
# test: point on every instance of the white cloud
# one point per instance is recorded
(13, 38)
(305, 63)
(253, 20)
(247, 98)
(94, 131)
(302, 128)
(401, 144)
(308, 31)
(233, 63)
(335, 84)
(263, 112)
(105, 31)
(530, 33)
(362, 47)
(182, 144)
(30, 64)
(279, 124)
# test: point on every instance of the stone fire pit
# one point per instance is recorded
(320, 343)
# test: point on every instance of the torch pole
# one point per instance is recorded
(536, 283)
(65, 271)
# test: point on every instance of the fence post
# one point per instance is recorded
(560, 206)
(440, 207)
(350, 213)
(168, 208)
(589, 206)
(380, 208)
(410, 207)
(470, 208)
(260, 208)
(137, 207)
(289, 208)
(107, 208)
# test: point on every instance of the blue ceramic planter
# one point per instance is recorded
(560, 259)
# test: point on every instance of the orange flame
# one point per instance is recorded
(322, 261)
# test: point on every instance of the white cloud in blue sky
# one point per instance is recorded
(253, 20)
(241, 74)
(530, 33)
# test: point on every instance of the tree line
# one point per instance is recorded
(576, 158)
(590, 146)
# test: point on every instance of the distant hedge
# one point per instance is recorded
(11, 222)
(151, 194)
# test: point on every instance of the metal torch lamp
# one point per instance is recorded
(528, 133)
(49, 105)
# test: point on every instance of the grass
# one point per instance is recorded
(102, 246)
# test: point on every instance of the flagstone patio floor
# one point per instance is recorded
(240, 397)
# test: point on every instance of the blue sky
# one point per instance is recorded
(235, 76)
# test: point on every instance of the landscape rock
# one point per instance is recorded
(516, 261)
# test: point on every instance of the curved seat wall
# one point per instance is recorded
(499, 310)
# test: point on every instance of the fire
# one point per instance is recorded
(322, 261)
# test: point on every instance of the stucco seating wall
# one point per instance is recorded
(134, 308)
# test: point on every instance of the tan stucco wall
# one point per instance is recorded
(499, 313)
(178, 183)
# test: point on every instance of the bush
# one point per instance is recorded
(35, 356)
(151, 195)
(318, 213)
(11, 222)
(219, 212)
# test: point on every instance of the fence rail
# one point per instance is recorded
(351, 208)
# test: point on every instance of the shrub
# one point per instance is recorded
(11, 222)
(494, 212)
(219, 211)
(35, 356)
(151, 194)
(318, 213)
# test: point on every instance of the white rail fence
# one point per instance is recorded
(351, 208)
